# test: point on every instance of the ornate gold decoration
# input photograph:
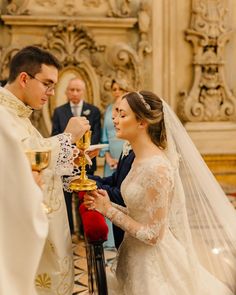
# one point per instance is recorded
(210, 98)
(43, 281)
(82, 183)
(15, 104)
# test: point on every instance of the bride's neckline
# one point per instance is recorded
(148, 159)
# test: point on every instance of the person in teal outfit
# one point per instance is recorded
(115, 145)
(113, 151)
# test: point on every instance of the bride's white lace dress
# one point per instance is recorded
(150, 260)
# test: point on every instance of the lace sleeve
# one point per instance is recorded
(156, 195)
(120, 208)
(63, 154)
(68, 152)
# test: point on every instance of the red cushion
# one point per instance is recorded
(95, 227)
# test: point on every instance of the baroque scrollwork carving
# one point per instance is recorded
(16, 8)
(69, 42)
(46, 3)
(210, 98)
(74, 46)
(144, 46)
(5, 58)
(69, 8)
(125, 62)
(122, 10)
(121, 63)
(93, 3)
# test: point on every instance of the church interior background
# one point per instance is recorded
(183, 50)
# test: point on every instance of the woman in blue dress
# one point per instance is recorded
(115, 145)
(113, 151)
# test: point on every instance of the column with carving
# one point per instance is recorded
(209, 98)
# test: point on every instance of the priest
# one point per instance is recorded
(32, 79)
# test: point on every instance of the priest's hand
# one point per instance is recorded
(77, 126)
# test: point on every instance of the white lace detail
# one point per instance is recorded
(68, 152)
(148, 234)
(115, 215)
(146, 192)
(126, 148)
(121, 208)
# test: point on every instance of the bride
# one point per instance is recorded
(180, 229)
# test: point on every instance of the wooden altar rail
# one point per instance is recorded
(97, 281)
(95, 232)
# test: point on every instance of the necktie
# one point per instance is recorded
(76, 110)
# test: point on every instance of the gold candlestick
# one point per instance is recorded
(83, 183)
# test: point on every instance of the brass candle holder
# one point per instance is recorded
(83, 183)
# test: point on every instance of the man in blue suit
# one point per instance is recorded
(76, 106)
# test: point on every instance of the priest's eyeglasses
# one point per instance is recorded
(49, 86)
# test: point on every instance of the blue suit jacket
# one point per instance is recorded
(62, 115)
(112, 185)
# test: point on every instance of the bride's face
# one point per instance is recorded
(126, 124)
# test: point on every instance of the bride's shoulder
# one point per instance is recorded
(156, 164)
(159, 159)
(157, 168)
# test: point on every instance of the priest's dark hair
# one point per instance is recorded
(30, 60)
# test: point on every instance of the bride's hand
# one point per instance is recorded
(97, 200)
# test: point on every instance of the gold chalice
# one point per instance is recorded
(83, 183)
(39, 159)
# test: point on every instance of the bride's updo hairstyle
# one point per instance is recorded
(148, 107)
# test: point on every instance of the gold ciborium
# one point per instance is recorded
(83, 183)
(39, 159)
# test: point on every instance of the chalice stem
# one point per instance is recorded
(83, 170)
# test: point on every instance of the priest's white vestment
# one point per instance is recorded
(55, 274)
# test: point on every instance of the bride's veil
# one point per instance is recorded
(201, 216)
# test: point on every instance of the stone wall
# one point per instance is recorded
(184, 50)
